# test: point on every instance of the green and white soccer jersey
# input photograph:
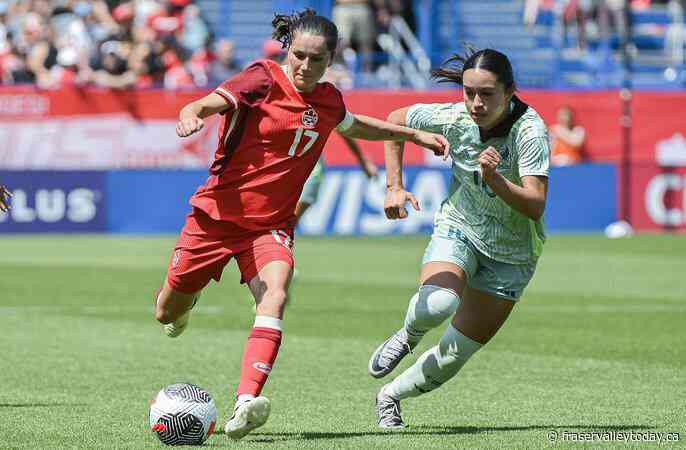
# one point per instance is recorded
(496, 229)
(313, 184)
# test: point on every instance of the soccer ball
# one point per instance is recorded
(183, 414)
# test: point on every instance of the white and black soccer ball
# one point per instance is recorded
(183, 414)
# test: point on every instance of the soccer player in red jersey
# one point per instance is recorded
(276, 120)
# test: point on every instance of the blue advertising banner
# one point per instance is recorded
(349, 203)
(49, 201)
(150, 201)
(581, 198)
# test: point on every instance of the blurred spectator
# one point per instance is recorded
(387, 9)
(168, 18)
(195, 32)
(592, 19)
(200, 63)
(37, 43)
(109, 43)
(146, 66)
(13, 67)
(174, 57)
(577, 12)
(567, 139)
(573, 12)
(617, 17)
(273, 50)
(66, 71)
(123, 16)
(339, 74)
(111, 68)
(356, 28)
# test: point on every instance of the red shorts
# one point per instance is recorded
(205, 246)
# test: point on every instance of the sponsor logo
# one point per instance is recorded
(53, 205)
(262, 367)
(507, 293)
(283, 238)
(660, 199)
(349, 204)
(310, 117)
(176, 258)
(505, 163)
(672, 151)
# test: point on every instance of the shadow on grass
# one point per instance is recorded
(435, 430)
(37, 404)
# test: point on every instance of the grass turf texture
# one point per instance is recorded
(595, 345)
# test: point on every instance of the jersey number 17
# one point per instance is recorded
(312, 138)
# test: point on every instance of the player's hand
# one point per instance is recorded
(434, 142)
(370, 169)
(4, 199)
(186, 127)
(394, 203)
(488, 162)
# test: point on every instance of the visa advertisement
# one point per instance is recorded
(581, 198)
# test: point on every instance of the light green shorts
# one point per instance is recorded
(449, 244)
(314, 182)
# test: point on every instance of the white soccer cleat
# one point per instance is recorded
(389, 354)
(388, 411)
(178, 326)
(247, 415)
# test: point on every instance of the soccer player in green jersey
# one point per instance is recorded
(488, 233)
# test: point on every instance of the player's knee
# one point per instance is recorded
(274, 297)
(434, 305)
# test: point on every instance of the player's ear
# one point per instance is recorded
(509, 92)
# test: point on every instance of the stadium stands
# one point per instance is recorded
(550, 46)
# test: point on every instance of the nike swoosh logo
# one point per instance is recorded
(263, 367)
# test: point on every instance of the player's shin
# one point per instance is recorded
(260, 353)
(429, 308)
(436, 366)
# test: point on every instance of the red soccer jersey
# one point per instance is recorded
(269, 142)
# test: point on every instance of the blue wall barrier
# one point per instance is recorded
(581, 198)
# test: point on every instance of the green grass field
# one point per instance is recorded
(596, 344)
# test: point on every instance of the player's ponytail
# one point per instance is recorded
(306, 21)
(452, 70)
